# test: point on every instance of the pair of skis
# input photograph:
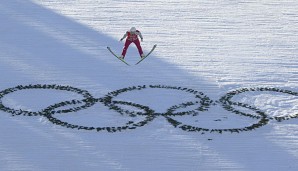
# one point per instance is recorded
(138, 61)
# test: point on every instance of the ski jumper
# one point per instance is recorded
(132, 37)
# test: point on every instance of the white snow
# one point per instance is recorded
(213, 47)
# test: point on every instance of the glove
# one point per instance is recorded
(141, 40)
(121, 40)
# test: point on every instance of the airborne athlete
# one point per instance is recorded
(132, 37)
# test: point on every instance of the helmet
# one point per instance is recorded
(133, 29)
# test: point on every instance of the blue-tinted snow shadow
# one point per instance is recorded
(39, 39)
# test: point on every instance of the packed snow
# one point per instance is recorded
(219, 92)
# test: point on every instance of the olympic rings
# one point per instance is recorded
(201, 102)
(262, 121)
(87, 96)
(128, 125)
(226, 100)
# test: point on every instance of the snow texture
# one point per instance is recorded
(218, 93)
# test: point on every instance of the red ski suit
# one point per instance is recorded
(132, 38)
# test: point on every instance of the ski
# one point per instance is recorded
(147, 54)
(117, 56)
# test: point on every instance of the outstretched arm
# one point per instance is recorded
(124, 36)
(140, 34)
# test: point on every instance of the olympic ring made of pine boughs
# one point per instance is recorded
(227, 103)
(129, 125)
(85, 94)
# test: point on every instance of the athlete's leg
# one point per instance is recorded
(138, 44)
(126, 45)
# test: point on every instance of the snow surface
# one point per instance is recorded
(213, 47)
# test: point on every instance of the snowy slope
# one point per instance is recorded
(238, 55)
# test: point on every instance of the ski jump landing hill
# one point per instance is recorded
(218, 93)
